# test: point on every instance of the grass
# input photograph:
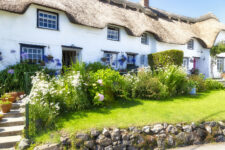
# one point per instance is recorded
(203, 107)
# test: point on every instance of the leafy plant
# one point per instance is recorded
(165, 58)
(213, 85)
(17, 77)
(94, 67)
(199, 81)
(5, 102)
(175, 78)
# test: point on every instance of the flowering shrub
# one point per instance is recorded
(199, 82)
(105, 85)
(175, 78)
(148, 87)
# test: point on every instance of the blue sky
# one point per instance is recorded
(191, 8)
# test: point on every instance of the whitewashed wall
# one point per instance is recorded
(15, 29)
(220, 38)
(198, 51)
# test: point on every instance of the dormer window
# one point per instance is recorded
(113, 33)
(47, 20)
(190, 44)
(144, 39)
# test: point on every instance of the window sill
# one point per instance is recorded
(48, 29)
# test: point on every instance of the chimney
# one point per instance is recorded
(144, 3)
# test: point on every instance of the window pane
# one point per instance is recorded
(47, 20)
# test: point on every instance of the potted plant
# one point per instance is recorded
(1, 116)
(42, 63)
(50, 57)
(21, 93)
(8, 97)
(14, 94)
(103, 59)
(193, 87)
(5, 106)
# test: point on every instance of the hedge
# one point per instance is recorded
(165, 58)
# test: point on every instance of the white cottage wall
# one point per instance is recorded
(16, 29)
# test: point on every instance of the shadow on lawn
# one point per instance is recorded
(212, 115)
(101, 110)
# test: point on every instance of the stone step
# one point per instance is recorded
(18, 105)
(11, 131)
(6, 122)
(14, 113)
(9, 141)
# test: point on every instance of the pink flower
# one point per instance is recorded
(101, 97)
(100, 82)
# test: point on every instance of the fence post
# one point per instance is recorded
(26, 82)
(27, 121)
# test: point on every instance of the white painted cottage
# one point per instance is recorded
(104, 30)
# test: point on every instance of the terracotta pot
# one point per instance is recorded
(21, 93)
(14, 94)
(6, 107)
(1, 116)
(11, 99)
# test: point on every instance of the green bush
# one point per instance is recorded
(13, 78)
(94, 67)
(213, 85)
(175, 78)
(199, 82)
(105, 85)
(165, 58)
(150, 88)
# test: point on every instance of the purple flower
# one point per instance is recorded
(100, 82)
(1, 58)
(45, 59)
(13, 51)
(24, 55)
(11, 71)
(58, 64)
(57, 60)
(101, 97)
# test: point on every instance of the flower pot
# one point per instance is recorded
(21, 93)
(193, 91)
(11, 99)
(1, 116)
(6, 107)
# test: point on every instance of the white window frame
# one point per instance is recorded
(142, 59)
(130, 59)
(33, 54)
(47, 20)
(113, 33)
(190, 44)
(110, 59)
(220, 64)
(144, 38)
(186, 63)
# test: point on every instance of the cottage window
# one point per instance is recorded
(190, 44)
(186, 63)
(142, 59)
(110, 59)
(131, 59)
(32, 54)
(47, 20)
(113, 33)
(220, 64)
(144, 39)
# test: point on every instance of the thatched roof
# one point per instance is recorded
(166, 27)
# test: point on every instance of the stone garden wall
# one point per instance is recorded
(159, 136)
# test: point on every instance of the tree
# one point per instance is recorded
(216, 50)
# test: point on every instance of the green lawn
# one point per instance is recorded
(203, 107)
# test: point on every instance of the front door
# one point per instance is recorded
(69, 57)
